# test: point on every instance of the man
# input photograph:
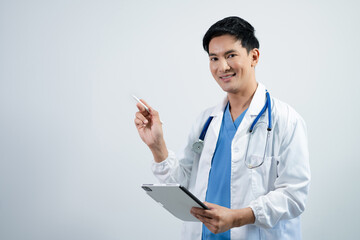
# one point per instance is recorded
(253, 171)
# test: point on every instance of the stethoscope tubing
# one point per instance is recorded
(198, 145)
(266, 106)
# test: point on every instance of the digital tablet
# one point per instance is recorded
(175, 198)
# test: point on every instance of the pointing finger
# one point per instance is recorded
(145, 103)
(141, 108)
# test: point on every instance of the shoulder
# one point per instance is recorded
(284, 112)
(286, 119)
(203, 116)
(213, 111)
(206, 113)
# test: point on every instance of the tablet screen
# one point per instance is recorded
(175, 198)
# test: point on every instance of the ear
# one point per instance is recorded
(255, 54)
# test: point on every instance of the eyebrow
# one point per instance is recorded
(227, 52)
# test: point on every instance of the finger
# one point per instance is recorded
(210, 205)
(196, 210)
(204, 219)
(199, 212)
(155, 114)
(151, 110)
(202, 212)
(212, 228)
(139, 124)
(141, 117)
(145, 103)
(142, 109)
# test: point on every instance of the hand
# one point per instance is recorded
(150, 130)
(220, 219)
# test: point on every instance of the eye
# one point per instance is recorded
(213, 59)
(231, 55)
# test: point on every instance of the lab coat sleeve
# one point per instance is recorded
(178, 168)
(288, 198)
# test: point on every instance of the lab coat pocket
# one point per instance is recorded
(263, 177)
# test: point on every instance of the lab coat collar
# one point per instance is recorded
(258, 101)
(219, 109)
(255, 107)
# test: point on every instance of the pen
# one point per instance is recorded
(146, 108)
(138, 100)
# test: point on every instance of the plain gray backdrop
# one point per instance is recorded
(71, 161)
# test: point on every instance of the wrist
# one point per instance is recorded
(159, 151)
(243, 217)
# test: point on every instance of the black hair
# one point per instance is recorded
(235, 26)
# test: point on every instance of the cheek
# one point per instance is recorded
(212, 69)
(239, 67)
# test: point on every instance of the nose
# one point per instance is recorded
(224, 66)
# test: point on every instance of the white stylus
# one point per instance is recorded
(146, 108)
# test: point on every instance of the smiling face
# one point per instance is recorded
(231, 65)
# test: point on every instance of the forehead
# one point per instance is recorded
(224, 43)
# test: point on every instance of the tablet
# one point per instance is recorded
(175, 198)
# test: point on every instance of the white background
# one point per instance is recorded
(71, 161)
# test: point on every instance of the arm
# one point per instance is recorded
(288, 198)
(179, 168)
(150, 130)
(167, 167)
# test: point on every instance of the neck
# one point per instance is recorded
(241, 100)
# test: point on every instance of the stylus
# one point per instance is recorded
(146, 108)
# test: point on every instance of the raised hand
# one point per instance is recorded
(150, 130)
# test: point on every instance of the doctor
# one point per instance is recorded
(247, 158)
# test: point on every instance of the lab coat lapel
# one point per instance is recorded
(255, 107)
(218, 116)
(208, 150)
(258, 100)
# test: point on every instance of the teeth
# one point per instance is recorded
(227, 76)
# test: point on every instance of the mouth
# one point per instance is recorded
(227, 77)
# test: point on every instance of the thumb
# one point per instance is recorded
(154, 114)
(210, 205)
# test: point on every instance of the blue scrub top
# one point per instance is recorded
(218, 191)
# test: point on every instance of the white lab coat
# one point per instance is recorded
(276, 191)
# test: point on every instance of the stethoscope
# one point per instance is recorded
(199, 144)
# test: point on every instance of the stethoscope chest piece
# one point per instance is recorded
(198, 146)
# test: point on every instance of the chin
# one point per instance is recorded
(229, 90)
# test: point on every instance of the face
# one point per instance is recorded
(231, 65)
